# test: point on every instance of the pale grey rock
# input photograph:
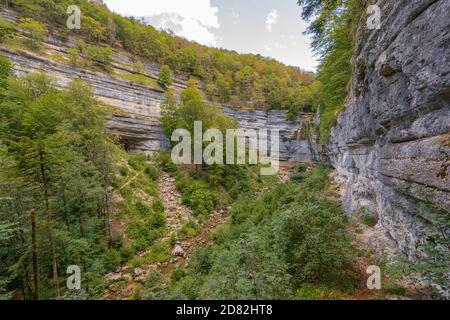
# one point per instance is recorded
(178, 251)
(391, 144)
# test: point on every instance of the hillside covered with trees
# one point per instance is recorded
(241, 80)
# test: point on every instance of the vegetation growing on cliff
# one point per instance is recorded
(333, 29)
(237, 79)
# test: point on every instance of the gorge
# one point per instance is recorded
(390, 148)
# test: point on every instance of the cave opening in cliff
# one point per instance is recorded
(128, 144)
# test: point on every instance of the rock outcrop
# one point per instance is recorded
(392, 143)
(136, 108)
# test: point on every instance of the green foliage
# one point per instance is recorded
(275, 247)
(333, 28)
(57, 160)
(189, 229)
(5, 72)
(197, 195)
(299, 172)
(316, 292)
(165, 77)
(7, 29)
(244, 80)
(93, 30)
(34, 31)
(91, 56)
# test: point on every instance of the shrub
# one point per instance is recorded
(5, 71)
(177, 274)
(101, 57)
(370, 220)
(299, 173)
(157, 220)
(189, 229)
(6, 29)
(34, 31)
(126, 253)
(142, 208)
(137, 162)
(165, 77)
(312, 239)
(166, 163)
(112, 260)
(152, 172)
(158, 206)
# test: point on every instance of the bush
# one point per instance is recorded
(370, 220)
(165, 77)
(152, 172)
(5, 71)
(165, 162)
(112, 260)
(137, 162)
(6, 29)
(157, 220)
(154, 286)
(189, 229)
(299, 173)
(177, 274)
(126, 253)
(312, 239)
(158, 206)
(34, 31)
(101, 57)
(142, 208)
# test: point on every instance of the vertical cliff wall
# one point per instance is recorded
(392, 143)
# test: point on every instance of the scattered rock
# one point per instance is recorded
(138, 271)
(178, 251)
(113, 276)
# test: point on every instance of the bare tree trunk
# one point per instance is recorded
(34, 253)
(107, 213)
(49, 223)
(108, 223)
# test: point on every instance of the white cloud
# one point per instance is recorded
(196, 22)
(235, 16)
(279, 45)
(271, 19)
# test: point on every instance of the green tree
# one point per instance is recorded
(34, 31)
(165, 77)
(93, 30)
(6, 29)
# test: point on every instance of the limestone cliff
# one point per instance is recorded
(392, 143)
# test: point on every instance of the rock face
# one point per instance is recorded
(392, 143)
(297, 141)
(137, 108)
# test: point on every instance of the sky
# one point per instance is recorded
(272, 28)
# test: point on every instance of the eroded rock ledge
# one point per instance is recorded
(136, 114)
